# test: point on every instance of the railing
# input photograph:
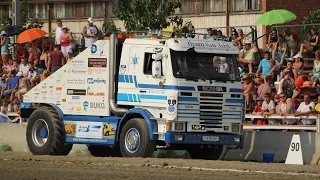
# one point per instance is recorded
(282, 127)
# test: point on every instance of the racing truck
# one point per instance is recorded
(173, 93)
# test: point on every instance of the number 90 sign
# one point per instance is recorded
(295, 146)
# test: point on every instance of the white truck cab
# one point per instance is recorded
(126, 97)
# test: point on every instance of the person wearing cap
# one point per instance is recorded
(246, 55)
(90, 33)
(4, 47)
(297, 65)
(66, 39)
(22, 88)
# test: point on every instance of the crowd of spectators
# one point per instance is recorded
(32, 62)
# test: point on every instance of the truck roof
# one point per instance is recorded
(183, 44)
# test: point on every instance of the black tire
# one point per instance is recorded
(214, 153)
(55, 144)
(104, 151)
(146, 146)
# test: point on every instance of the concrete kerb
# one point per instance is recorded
(255, 144)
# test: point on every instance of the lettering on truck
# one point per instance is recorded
(96, 81)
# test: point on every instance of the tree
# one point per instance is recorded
(24, 12)
(313, 18)
(5, 21)
(145, 14)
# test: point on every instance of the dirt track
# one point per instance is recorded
(25, 166)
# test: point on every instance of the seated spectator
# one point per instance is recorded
(306, 108)
(285, 107)
(258, 111)
(272, 40)
(286, 85)
(24, 68)
(34, 53)
(269, 108)
(312, 44)
(292, 40)
(248, 88)
(3, 84)
(264, 65)
(224, 67)
(8, 67)
(22, 89)
(317, 108)
(265, 88)
(246, 55)
(212, 34)
(275, 69)
(5, 107)
(236, 39)
(46, 44)
(253, 102)
(297, 65)
(13, 84)
(316, 67)
(21, 53)
(280, 51)
(220, 36)
(288, 68)
(33, 76)
(15, 66)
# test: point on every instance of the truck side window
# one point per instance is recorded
(147, 67)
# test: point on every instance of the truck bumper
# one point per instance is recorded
(204, 139)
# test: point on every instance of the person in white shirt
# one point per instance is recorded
(224, 67)
(90, 33)
(305, 109)
(58, 33)
(24, 68)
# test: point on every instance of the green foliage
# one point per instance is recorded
(24, 12)
(312, 18)
(5, 21)
(34, 22)
(145, 14)
(108, 26)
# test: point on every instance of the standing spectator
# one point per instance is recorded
(44, 61)
(4, 47)
(66, 39)
(24, 68)
(46, 44)
(34, 53)
(55, 59)
(58, 33)
(13, 84)
(306, 108)
(285, 107)
(90, 33)
(246, 55)
(312, 45)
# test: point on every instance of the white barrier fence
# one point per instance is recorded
(281, 127)
(10, 117)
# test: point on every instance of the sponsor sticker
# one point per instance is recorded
(97, 62)
(77, 92)
(97, 70)
(96, 81)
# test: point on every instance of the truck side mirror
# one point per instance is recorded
(156, 69)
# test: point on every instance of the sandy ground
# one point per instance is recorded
(15, 166)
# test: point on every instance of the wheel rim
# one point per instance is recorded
(40, 132)
(132, 140)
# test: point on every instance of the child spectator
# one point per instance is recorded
(253, 102)
(224, 67)
(268, 108)
(33, 75)
(258, 111)
(248, 88)
(23, 87)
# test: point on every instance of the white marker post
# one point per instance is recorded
(295, 153)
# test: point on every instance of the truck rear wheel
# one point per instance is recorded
(104, 151)
(45, 133)
(135, 140)
(205, 153)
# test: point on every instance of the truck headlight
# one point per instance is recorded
(178, 137)
(237, 139)
(178, 126)
(235, 127)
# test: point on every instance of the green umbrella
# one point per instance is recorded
(278, 16)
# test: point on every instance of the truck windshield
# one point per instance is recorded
(193, 66)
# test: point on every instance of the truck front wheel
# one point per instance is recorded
(135, 140)
(213, 153)
(45, 133)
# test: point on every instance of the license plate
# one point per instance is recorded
(210, 138)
